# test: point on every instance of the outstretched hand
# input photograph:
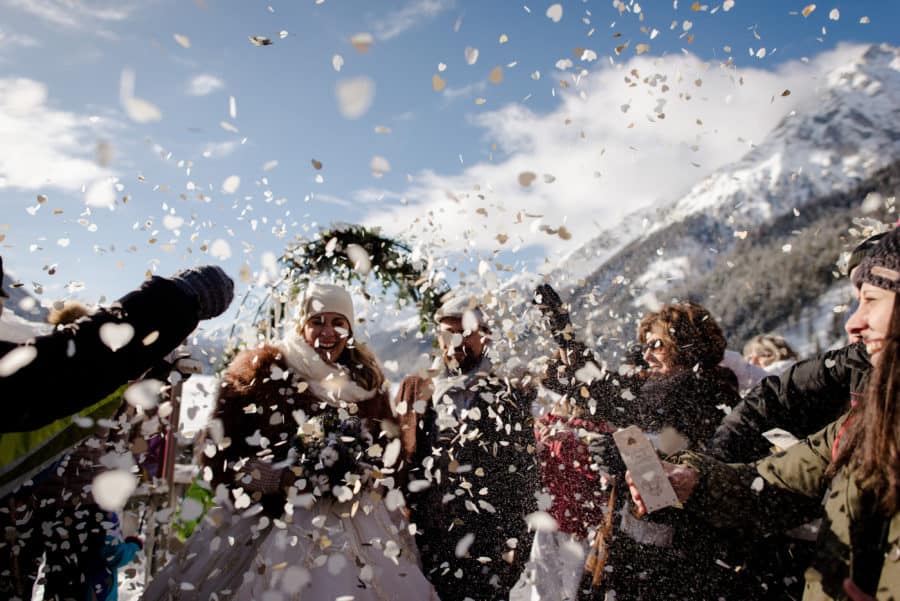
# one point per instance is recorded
(684, 480)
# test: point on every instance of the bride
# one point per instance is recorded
(300, 455)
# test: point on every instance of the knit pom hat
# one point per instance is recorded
(881, 267)
(324, 298)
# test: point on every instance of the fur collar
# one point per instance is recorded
(331, 384)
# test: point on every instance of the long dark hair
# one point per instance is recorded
(872, 446)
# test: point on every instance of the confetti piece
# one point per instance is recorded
(231, 184)
(379, 166)
(438, 83)
(503, 38)
(183, 40)
(382, 129)
(317, 165)
(100, 194)
(786, 93)
(526, 178)
(727, 5)
(116, 335)
(355, 96)
(808, 10)
(555, 12)
(137, 109)
(283, 34)
(642, 48)
(16, 359)
(337, 62)
(232, 107)
(496, 75)
(112, 489)
(220, 249)
(144, 394)
(258, 40)
(865, 20)
(362, 41)
(471, 55)
(541, 521)
(462, 546)
(362, 262)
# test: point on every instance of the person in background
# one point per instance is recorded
(44, 382)
(853, 464)
(771, 352)
(468, 434)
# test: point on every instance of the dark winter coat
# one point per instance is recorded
(856, 539)
(252, 404)
(668, 555)
(73, 368)
(483, 482)
(802, 400)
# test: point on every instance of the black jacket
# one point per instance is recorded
(803, 400)
(73, 368)
(483, 483)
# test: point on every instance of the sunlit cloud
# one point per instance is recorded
(609, 148)
(204, 84)
(52, 147)
(89, 15)
(415, 13)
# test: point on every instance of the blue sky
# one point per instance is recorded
(63, 64)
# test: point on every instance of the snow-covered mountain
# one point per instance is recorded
(831, 146)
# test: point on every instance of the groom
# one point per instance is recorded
(468, 437)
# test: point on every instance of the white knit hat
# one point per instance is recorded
(324, 298)
(460, 307)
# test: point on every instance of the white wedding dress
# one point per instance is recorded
(325, 552)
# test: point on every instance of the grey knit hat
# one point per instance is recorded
(881, 267)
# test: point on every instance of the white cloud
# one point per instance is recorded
(47, 147)
(18, 39)
(218, 150)
(414, 13)
(605, 151)
(204, 84)
(82, 14)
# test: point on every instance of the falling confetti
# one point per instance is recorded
(231, 184)
(808, 10)
(220, 249)
(16, 359)
(496, 75)
(112, 489)
(471, 55)
(834, 15)
(362, 41)
(258, 40)
(137, 109)
(116, 335)
(379, 166)
(182, 40)
(526, 178)
(355, 96)
(337, 62)
(438, 83)
(144, 394)
(555, 12)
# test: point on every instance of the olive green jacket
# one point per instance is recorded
(855, 541)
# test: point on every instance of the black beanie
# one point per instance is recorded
(881, 267)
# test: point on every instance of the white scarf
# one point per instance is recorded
(331, 384)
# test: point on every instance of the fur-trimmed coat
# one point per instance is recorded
(254, 409)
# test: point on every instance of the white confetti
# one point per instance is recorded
(100, 194)
(295, 579)
(355, 96)
(834, 15)
(232, 107)
(391, 452)
(231, 184)
(757, 485)
(555, 12)
(172, 222)
(337, 62)
(471, 55)
(116, 335)
(183, 40)
(360, 259)
(462, 546)
(379, 166)
(541, 521)
(112, 489)
(394, 499)
(137, 109)
(220, 249)
(16, 359)
(144, 394)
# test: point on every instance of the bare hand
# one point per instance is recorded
(683, 479)
(855, 593)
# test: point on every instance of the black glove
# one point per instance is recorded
(211, 286)
(556, 314)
